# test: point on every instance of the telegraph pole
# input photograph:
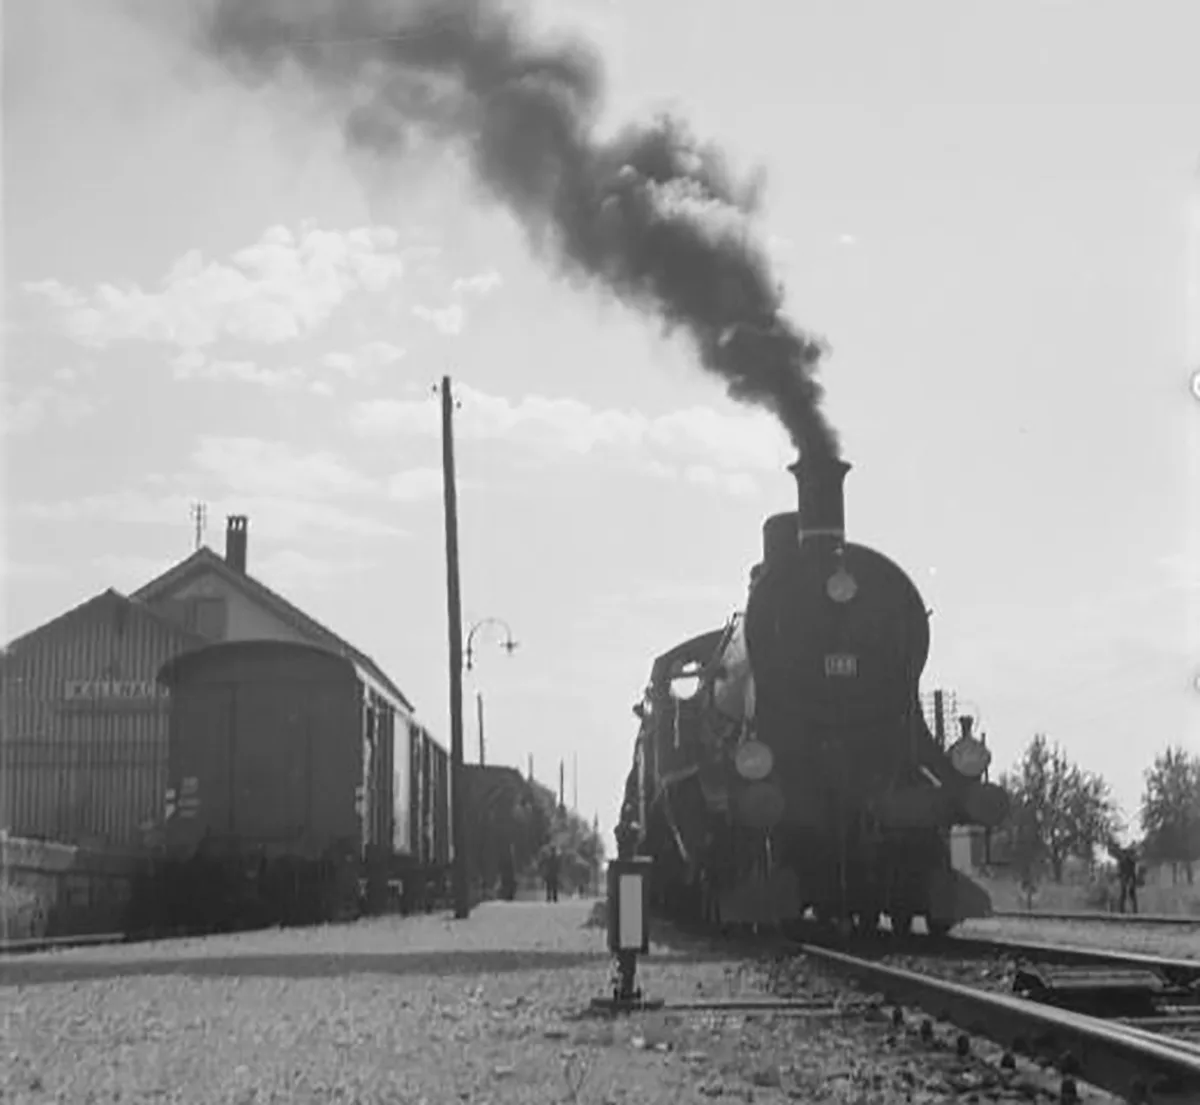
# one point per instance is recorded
(462, 904)
(479, 712)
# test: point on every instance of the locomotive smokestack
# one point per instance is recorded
(822, 505)
(821, 514)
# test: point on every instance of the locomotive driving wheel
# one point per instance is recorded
(902, 922)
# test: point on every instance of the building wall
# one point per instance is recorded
(83, 757)
(216, 609)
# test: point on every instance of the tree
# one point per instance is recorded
(1170, 813)
(580, 846)
(1057, 811)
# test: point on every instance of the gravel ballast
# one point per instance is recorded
(428, 1009)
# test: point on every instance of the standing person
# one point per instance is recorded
(508, 875)
(1127, 873)
(550, 872)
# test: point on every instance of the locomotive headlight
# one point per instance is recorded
(841, 586)
(970, 757)
(753, 760)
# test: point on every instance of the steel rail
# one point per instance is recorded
(1136, 1065)
(1182, 971)
(30, 944)
(1179, 920)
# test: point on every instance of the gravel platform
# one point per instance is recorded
(428, 1009)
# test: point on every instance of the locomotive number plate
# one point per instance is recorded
(841, 664)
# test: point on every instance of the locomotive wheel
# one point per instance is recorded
(867, 924)
(939, 930)
(902, 923)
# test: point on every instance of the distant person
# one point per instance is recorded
(1127, 874)
(508, 875)
(550, 866)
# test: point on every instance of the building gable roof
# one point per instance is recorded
(108, 597)
(204, 561)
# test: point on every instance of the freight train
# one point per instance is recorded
(783, 763)
(300, 789)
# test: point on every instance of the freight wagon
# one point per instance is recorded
(299, 787)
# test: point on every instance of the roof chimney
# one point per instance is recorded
(236, 527)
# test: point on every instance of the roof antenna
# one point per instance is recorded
(200, 518)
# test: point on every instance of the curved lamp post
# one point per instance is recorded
(508, 644)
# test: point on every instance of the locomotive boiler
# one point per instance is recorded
(783, 763)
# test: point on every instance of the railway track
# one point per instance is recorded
(1124, 1022)
(1128, 1060)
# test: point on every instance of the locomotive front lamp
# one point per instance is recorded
(753, 760)
(842, 586)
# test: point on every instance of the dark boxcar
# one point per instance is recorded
(429, 817)
(283, 777)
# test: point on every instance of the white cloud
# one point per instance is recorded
(255, 467)
(16, 572)
(285, 493)
(42, 405)
(715, 448)
(284, 287)
(479, 284)
(365, 362)
(286, 569)
(449, 320)
(417, 483)
(735, 483)
(281, 519)
(191, 364)
(129, 571)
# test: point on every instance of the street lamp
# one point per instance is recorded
(508, 644)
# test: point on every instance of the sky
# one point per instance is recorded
(990, 212)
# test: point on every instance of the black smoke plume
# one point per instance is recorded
(651, 215)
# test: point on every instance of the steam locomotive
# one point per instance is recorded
(783, 762)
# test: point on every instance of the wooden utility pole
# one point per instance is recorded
(575, 782)
(462, 904)
(562, 805)
(479, 712)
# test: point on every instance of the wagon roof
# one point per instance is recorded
(205, 560)
(175, 666)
